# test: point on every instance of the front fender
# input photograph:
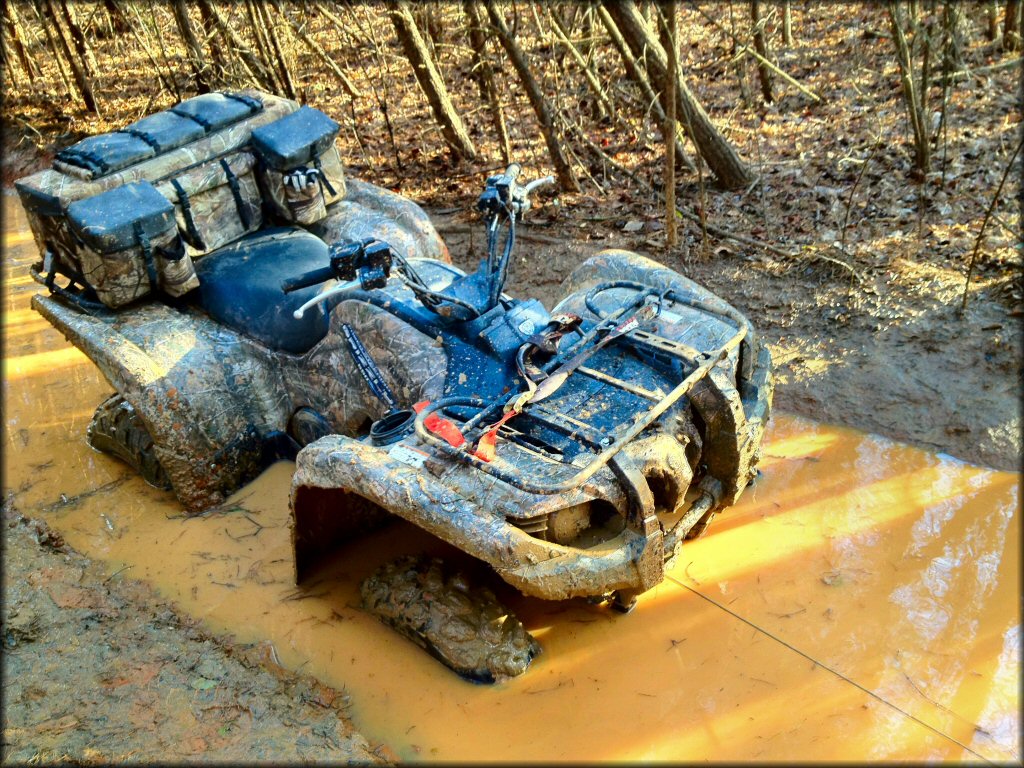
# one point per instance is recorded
(363, 473)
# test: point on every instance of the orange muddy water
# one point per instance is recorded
(861, 602)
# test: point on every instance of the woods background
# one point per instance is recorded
(847, 174)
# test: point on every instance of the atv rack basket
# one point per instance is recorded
(604, 445)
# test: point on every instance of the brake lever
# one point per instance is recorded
(335, 289)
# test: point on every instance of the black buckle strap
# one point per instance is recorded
(243, 212)
(147, 253)
(323, 176)
(190, 222)
(254, 105)
(135, 132)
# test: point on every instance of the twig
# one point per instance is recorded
(984, 223)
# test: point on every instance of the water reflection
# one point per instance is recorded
(893, 569)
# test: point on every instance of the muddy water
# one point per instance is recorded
(862, 602)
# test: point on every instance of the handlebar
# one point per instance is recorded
(306, 279)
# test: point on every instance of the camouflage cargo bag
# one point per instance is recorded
(197, 156)
(299, 165)
(127, 241)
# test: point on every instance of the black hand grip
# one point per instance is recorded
(307, 279)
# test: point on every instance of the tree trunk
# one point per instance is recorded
(257, 69)
(604, 106)
(485, 75)
(278, 53)
(85, 54)
(922, 150)
(118, 20)
(194, 50)
(430, 81)
(563, 170)
(639, 77)
(14, 31)
(317, 49)
(761, 46)
(671, 236)
(263, 46)
(1011, 26)
(731, 171)
(787, 22)
(76, 66)
(217, 54)
(992, 30)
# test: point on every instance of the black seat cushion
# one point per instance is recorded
(240, 287)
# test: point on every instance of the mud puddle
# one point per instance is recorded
(861, 603)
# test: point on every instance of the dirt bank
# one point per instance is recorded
(99, 669)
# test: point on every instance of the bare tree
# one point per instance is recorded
(723, 160)
(671, 47)
(638, 75)
(761, 46)
(196, 59)
(430, 81)
(12, 22)
(485, 75)
(62, 48)
(1011, 25)
(563, 170)
(787, 22)
(914, 97)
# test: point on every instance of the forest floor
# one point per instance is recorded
(862, 318)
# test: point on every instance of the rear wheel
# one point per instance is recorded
(117, 430)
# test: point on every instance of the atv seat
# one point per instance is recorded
(240, 287)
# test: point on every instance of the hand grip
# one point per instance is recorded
(513, 171)
(307, 279)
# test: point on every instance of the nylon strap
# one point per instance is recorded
(236, 192)
(186, 209)
(374, 379)
(323, 176)
(142, 135)
(147, 253)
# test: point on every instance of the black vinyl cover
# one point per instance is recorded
(296, 139)
(165, 130)
(111, 220)
(106, 153)
(215, 110)
(240, 287)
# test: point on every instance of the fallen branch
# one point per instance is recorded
(967, 74)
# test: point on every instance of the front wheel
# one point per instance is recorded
(117, 430)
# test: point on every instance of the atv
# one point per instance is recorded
(571, 450)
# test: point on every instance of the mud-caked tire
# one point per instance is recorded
(117, 430)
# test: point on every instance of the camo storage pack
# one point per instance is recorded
(196, 156)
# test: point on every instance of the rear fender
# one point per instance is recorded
(205, 394)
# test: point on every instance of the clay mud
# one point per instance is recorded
(861, 602)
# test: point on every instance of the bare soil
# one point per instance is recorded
(100, 669)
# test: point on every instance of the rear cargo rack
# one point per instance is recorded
(603, 445)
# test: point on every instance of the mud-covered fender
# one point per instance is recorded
(204, 393)
(336, 476)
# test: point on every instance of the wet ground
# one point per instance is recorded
(861, 602)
